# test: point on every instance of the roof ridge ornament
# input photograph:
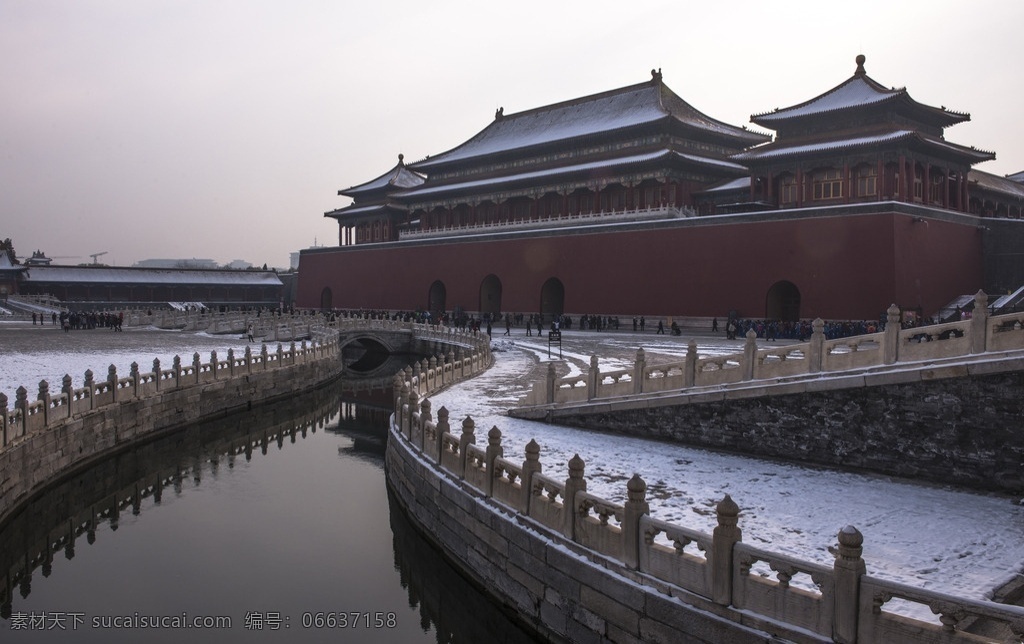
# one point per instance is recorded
(499, 113)
(656, 75)
(860, 65)
(401, 159)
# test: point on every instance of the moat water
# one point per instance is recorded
(273, 525)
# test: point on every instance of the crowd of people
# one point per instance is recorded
(78, 320)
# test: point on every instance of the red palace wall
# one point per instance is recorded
(851, 266)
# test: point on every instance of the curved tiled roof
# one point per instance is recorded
(398, 177)
(777, 150)
(860, 90)
(126, 275)
(626, 107)
(551, 173)
(995, 183)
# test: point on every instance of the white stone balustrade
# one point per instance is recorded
(972, 336)
(841, 603)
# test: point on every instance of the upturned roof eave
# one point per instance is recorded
(725, 167)
(773, 151)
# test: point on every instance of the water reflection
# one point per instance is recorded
(254, 513)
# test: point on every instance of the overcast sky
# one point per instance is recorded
(224, 129)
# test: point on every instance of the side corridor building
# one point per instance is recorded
(632, 202)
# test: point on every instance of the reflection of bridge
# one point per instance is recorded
(137, 478)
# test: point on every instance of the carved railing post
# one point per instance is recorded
(157, 375)
(816, 347)
(636, 506)
(263, 356)
(979, 323)
(69, 395)
(725, 535)
(494, 450)
(414, 407)
(891, 339)
(280, 354)
(44, 397)
(90, 388)
(593, 379)
(467, 438)
(21, 405)
(112, 382)
(134, 372)
(442, 428)
(847, 570)
(400, 391)
(575, 483)
(549, 384)
(177, 371)
(248, 359)
(750, 355)
(690, 370)
(639, 367)
(531, 466)
(197, 367)
(4, 418)
(213, 364)
(425, 418)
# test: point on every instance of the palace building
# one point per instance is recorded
(632, 202)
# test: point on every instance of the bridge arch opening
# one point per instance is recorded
(364, 355)
(783, 302)
(490, 296)
(326, 299)
(436, 299)
(552, 299)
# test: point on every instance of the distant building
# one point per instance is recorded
(115, 287)
(632, 202)
(177, 263)
(238, 265)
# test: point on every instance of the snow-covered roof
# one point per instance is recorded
(742, 183)
(117, 275)
(352, 210)
(780, 149)
(551, 173)
(6, 263)
(630, 106)
(397, 177)
(860, 90)
(995, 183)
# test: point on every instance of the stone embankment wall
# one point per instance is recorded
(963, 430)
(577, 567)
(45, 439)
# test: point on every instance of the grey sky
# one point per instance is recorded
(224, 129)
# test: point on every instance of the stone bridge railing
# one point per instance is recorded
(45, 437)
(975, 335)
(717, 578)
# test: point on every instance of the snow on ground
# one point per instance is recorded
(30, 353)
(927, 536)
(931, 537)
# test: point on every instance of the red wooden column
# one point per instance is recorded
(799, 187)
(904, 180)
(879, 180)
(926, 189)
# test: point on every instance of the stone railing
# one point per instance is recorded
(976, 335)
(45, 438)
(721, 587)
(582, 219)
